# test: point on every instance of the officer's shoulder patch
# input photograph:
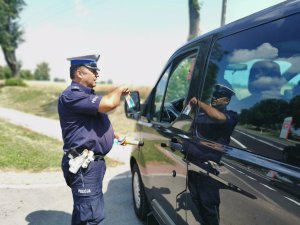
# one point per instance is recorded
(75, 88)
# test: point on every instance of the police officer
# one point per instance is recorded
(214, 121)
(86, 126)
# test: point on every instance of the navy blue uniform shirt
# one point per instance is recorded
(218, 132)
(83, 127)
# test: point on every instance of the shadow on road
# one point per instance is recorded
(119, 204)
(48, 217)
(118, 201)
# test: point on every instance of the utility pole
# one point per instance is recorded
(224, 3)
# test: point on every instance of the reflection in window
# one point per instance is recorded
(160, 91)
(264, 73)
(177, 90)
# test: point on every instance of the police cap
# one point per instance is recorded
(222, 91)
(89, 61)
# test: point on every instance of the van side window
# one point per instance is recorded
(176, 87)
(159, 95)
(261, 66)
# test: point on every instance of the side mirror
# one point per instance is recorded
(133, 106)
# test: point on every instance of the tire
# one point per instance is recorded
(140, 203)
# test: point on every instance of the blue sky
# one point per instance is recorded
(135, 38)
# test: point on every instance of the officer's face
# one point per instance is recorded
(219, 102)
(88, 77)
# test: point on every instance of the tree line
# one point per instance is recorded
(42, 72)
(270, 113)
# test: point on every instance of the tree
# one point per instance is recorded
(267, 113)
(194, 18)
(11, 33)
(42, 71)
(223, 16)
(295, 109)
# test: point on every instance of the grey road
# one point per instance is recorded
(45, 199)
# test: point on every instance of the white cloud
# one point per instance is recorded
(268, 82)
(295, 61)
(264, 51)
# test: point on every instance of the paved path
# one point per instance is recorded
(44, 199)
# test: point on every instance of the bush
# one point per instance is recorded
(5, 73)
(15, 82)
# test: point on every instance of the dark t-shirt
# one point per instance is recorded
(83, 127)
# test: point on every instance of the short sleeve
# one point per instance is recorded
(80, 102)
(232, 118)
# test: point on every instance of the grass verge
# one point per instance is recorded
(22, 149)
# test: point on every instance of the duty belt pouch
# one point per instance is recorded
(76, 162)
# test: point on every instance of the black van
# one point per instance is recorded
(217, 124)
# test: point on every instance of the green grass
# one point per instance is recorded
(22, 149)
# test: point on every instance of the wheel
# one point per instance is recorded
(140, 203)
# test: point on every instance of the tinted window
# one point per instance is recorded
(262, 66)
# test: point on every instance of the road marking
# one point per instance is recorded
(292, 200)
(229, 166)
(265, 142)
(251, 177)
(240, 172)
(239, 143)
(268, 187)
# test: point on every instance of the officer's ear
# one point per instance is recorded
(227, 100)
(78, 73)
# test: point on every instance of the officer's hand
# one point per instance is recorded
(193, 101)
(124, 90)
(116, 136)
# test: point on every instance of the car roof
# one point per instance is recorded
(269, 14)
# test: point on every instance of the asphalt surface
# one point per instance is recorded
(44, 198)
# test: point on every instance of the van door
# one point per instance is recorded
(163, 167)
(236, 174)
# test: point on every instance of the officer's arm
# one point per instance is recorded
(212, 112)
(209, 110)
(112, 99)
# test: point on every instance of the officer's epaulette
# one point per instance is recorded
(75, 88)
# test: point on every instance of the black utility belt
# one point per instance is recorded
(77, 152)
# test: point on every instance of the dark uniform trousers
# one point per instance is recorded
(87, 193)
